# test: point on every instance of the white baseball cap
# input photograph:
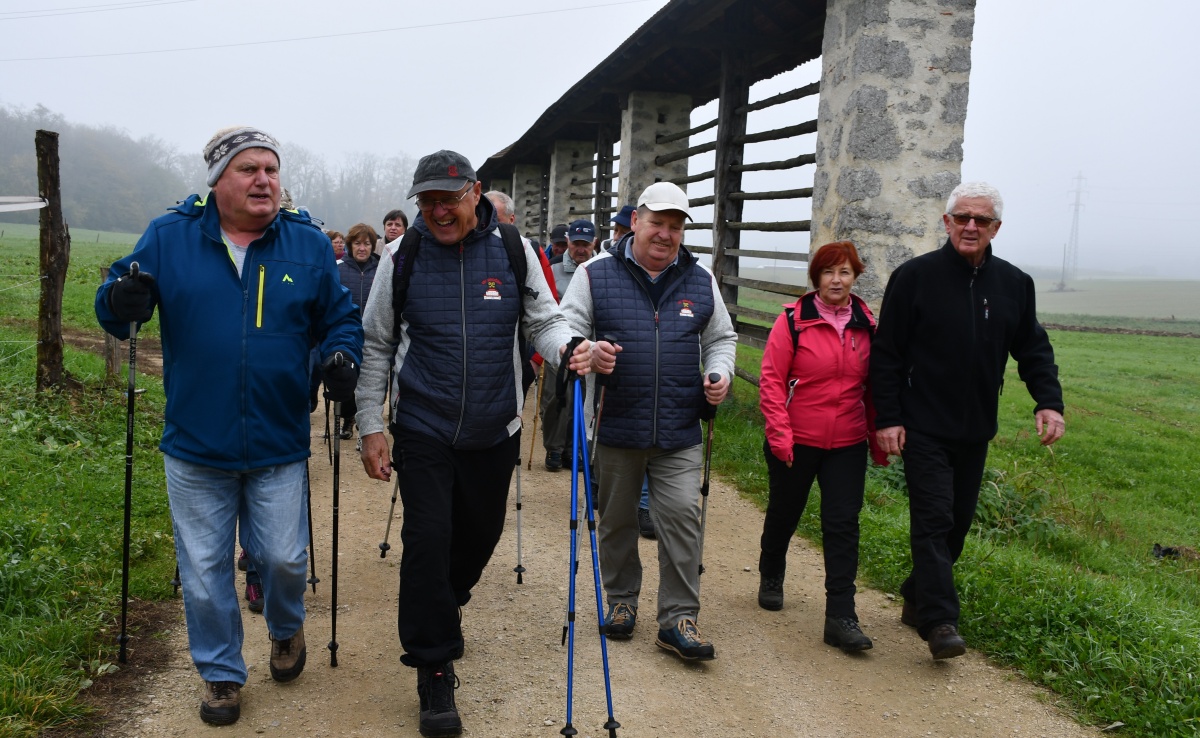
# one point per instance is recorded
(665, 196)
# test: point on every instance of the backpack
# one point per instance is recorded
(406, 254)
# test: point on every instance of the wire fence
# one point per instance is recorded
(20, 284)
(32, 345)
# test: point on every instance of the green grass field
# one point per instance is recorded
(1057, 579)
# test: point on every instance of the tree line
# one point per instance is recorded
(114, 182)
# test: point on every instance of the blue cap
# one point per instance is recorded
(581, 230)
(622, 218)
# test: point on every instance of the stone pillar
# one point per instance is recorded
(889, 143)
(648, 115)
(527, 199)
(571, 188)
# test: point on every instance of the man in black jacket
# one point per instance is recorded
(949, 321)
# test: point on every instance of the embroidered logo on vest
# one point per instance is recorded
(492, 292)
(685, 309)
(287, 278)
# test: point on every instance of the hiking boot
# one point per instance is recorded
(685, 641)
(770, 592)
(287, 656)
(553, 460)
(254, 595)
(620, 620)
(347, 430)
(435, 687)
(945, 642)
(646, 523)
(844, 633)
(222, 703)
(908, 614)
(243, 561)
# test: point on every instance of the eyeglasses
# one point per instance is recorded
(427, 204)
(980, 221)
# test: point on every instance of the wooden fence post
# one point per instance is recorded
(55, 256)
(112, 347)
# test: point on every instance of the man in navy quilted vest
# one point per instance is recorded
(451, 334)
(666, 330)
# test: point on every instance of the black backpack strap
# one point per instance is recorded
(402, 260)
(791, 321)
(515, 247)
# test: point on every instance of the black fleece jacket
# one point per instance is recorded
(945, 332)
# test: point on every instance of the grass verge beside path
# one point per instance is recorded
(1057, 578)
(62, 492)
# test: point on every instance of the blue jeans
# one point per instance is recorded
(205, 505)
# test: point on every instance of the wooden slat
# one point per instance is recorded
(697, 226)
(774, 135)
(759, 284)
(755, 332)
(782, 255)
(685, 134)
(685, 153)
(796, 161)
(701, 201)
(796, 94)
(748, 312)
(739, 372)
(775, 195)
(783, 226)
(693, 178)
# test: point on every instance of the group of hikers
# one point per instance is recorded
(456, 306)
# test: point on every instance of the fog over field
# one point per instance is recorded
(1058, 89)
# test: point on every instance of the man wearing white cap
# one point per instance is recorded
(665, 312)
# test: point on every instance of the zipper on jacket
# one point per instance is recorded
(262, 279)
(462, 292)
(657, 379)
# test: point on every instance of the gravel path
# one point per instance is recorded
(772, 677)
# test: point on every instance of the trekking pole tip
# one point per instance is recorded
(384, 547)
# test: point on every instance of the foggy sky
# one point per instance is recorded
(1058, 88)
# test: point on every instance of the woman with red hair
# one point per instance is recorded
(813, 396)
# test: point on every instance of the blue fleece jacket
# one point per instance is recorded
(235, 349)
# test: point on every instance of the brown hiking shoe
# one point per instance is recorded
(287, 656)
(222, 703)
(945, 642)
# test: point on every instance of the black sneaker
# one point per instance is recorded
(243, 561)
(222, 703)
(646, 523)
(553, 460)
(685, 641)
(347, 430)
(620, 621)
(844, 633)
(435, 687)
(254, 596)
(770, 593)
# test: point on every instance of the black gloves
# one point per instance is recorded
(132, 297)
(341, 377)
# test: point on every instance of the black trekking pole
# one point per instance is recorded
(176, 583)
(581, 459)
(312, 551)
(385, 546)
(519, 568)
(710, 415)
(338, 360)
(130, 394)
(327, 443)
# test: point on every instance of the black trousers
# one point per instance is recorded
(454, 507)
(943, 488)
(841, 472)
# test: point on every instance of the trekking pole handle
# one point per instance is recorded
(714, 377)
(133, 270)
(338, 360)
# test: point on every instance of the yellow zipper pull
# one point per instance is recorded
(262, 280)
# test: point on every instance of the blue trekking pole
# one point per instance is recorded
(578, 458)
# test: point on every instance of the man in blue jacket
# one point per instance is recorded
(948, 323)
(241, 287)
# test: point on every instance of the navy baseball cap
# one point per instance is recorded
(581, 230)
(559, 233)
(622, 218)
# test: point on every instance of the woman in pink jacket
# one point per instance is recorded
(813, 396)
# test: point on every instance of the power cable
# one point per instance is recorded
(82, 9)
(327, 35)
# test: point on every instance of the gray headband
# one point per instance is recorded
(220, 151)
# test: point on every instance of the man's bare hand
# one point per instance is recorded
(604, 356)
(1050, 426)
(376, 459)
(891, 440)
(714, 392)
(581, 357)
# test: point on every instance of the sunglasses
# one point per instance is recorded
(980, 221)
